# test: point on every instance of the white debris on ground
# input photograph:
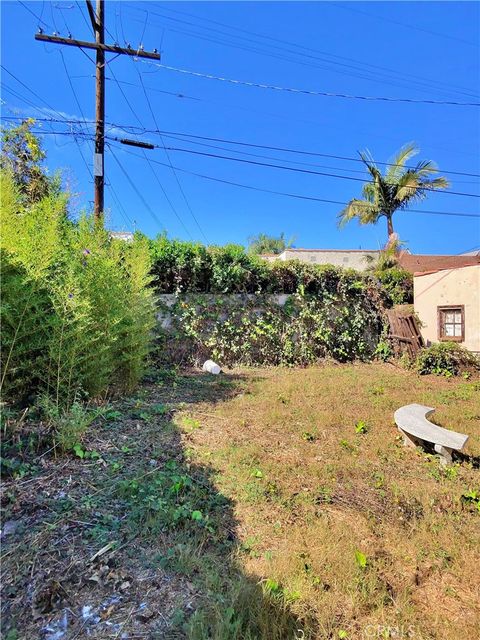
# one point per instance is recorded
(89, 616)
(93, 620)
(9, 528)
(211, 367)
(56, 629)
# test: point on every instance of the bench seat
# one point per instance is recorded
(412, 422)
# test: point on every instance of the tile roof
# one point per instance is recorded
(421, 263)
(335, 250)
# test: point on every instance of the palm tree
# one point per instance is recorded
(263, 243)
(393, 190)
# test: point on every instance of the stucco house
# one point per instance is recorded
(447, 302)
(349, 258)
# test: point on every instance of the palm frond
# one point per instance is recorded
(369, 191)
(366, 212)
(413, 185)
(425, 169)
(407, 186)
(367, 158)
(398, 162)
(438, 183)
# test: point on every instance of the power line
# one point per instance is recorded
(300, 151)
(134, 187)
(309, 164)
(33, 93)
(53, 18)
(19, 96)
(403, 24)
(236, 184)
(83, 15)
(81, 112)
(169, 161)
(148, 159)
(40, 21)
(272, 87)
(170, 134)
(120, 206)
(308, 171)
(269, 115)
(236, 28)
(385, 71)
(296, 195)
(61, 9)
(275, 166)
(41, 111)
(166, 197)
(380, 79)
(176, 94)
(256, 155)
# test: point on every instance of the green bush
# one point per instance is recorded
(187, 267)
(445, 359)
(397, 284)
(77, 309)
(67, 426)
(235, 271)
(342, 321)
(179, 266)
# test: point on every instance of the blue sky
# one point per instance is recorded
(415, 50)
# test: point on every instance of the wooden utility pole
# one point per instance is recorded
(97, 19)
(99, 176)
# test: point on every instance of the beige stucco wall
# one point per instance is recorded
(348, 259)
(450, 287)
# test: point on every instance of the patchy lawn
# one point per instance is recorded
(260, 504)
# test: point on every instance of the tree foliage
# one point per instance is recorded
(396, 281)
(263, 243)
(394, 190)
(22, 156)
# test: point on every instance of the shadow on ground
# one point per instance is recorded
(133, 540)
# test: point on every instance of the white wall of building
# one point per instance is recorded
(350, 259)
(448, 288)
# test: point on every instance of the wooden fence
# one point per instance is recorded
(404, 333)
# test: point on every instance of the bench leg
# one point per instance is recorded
(445, 454)
(408, 440)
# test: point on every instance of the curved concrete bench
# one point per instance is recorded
(412, 422)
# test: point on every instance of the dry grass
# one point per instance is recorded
(309, 492)
(291, 496)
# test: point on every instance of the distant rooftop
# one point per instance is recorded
(335, 250)
(127, 236)
(295, 250)
(421, 263)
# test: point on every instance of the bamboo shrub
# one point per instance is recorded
(77, 311)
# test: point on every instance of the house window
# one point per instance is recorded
(451, 323)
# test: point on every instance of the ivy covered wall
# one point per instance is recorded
(342, 320)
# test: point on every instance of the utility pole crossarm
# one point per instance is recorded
(111, 48)
(97, 18)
